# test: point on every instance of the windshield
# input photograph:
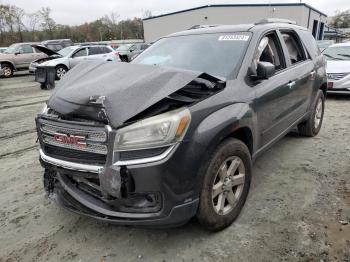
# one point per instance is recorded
(217, 54)
(337, 53)
(11, 49)
(124, 47)
(66, 51)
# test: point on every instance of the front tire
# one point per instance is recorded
(226, 185)
(8, 70)
(60, 71)
(312, 126)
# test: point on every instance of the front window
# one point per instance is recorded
(12, 49)
(337, 53)
(66, 51)
(217, 54)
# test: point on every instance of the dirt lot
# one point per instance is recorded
(298, 208)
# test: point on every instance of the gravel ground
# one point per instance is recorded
(298, 208)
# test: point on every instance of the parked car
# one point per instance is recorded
(57, 44)
(18, 57)
(2, 49)
(338, 68)
(129, 51)
(69, 57)
(173, 134)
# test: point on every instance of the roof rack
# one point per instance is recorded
(275, 20)
(202, 26)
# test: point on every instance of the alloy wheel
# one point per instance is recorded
(228, 185)
(318, 113)
(60, 72)
(7, 71)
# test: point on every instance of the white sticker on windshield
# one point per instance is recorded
(233, 38)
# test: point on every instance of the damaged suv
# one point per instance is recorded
(173, 134)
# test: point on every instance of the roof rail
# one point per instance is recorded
(202, 26)
(275, 20)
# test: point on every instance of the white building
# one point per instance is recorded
(305, 15)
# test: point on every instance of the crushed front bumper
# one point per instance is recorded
(161, 193)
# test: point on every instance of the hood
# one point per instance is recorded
(117, 92)
(45, 50)
(338, 66)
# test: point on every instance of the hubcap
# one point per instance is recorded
(7, 71)
(228, 185)
(61, 72)
(318, 113)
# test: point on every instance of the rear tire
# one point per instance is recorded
(8, 70)
(226, 185)
(312, 126)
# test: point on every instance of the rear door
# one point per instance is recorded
(302, 73)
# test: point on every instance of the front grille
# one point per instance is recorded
(74, 155)
(75, 143)
(336, 76)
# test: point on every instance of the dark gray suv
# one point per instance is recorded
(173, 134)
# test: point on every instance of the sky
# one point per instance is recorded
(75, 12)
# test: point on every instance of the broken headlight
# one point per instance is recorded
(157, 131)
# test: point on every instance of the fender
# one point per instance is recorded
(218, 126)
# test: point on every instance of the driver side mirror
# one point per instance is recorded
(265, 70)
(17, 52)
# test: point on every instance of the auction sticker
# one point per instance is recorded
(233, 38)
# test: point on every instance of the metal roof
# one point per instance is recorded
(238, 5)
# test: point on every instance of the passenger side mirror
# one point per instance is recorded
(265, 70)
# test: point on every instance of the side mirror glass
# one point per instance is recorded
(265, 70)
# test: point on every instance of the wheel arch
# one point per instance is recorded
(10, 63)
(61, 64)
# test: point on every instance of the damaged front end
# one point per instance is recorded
(112, 152)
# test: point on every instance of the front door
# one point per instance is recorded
(78, 57)
(272, 103)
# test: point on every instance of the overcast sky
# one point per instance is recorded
(75, 12)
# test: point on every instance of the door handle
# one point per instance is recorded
(291, 84)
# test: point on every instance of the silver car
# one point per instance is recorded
(69, 57)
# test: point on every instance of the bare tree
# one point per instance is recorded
(47, 22)
(34, 19)
(18, 14)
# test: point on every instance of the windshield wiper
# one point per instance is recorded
(335, 58)
(346, 55)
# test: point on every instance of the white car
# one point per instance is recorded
(69, 57)
(338, 68)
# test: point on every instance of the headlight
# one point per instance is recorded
(161, 130)
(44, 110)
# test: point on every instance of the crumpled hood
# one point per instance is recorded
(338, 66)
(117, 90)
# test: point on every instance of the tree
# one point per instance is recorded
(18, 14)
(47, 22)
(341, 19)
(34, 20)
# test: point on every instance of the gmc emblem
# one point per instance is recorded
(70, 139)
